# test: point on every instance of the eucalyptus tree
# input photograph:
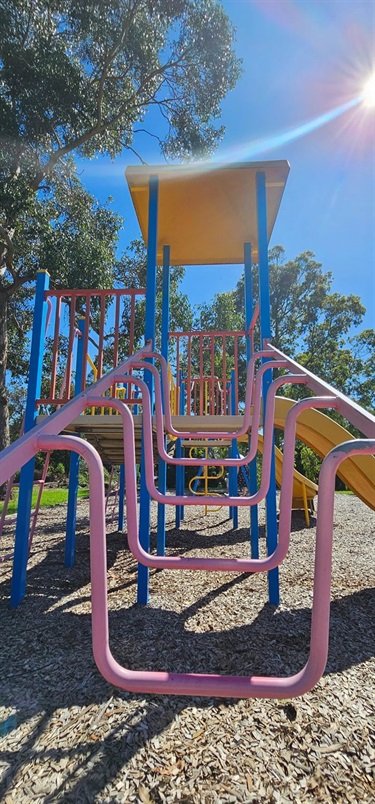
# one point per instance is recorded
(310, 322)
(79, 78)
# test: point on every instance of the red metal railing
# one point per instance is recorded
(109, 334)
(206, 360)
(44, 437)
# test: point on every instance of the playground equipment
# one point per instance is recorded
(203, 476)
(189, 216)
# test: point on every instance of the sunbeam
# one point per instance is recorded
(257, 147)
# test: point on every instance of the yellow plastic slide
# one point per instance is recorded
(304, 490)
(298, 479)
(322, 434)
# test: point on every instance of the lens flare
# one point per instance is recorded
(254, 148)
(368, 94)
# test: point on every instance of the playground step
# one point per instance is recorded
(211, 443)
(210, 424)
(105, 433)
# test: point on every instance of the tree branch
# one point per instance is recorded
(7, 258)
(100, 127)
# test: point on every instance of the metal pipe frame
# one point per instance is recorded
(208, 684)
(203, 434)
(230, 462)
(362, 419)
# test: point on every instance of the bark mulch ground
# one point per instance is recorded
(66, 735)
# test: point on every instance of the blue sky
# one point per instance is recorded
(303, 60)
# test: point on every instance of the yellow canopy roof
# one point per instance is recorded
(206, 213)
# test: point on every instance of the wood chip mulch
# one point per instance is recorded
(66, 735)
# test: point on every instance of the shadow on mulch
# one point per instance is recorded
(145, 636)
(49, 651)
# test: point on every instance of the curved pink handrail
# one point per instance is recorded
(209, 564)
(156, 682)
(20, 451)
(266, 353)
(255, 421)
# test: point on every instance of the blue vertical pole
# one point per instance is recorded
(254, 526)
(162, 473)
(265, 329)
(121, 495)
(144, 497)
(233, 472)
(27, 472)
(71, 516)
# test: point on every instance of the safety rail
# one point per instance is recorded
(189, 683)
(362, 419)
(273, 358)
(207, 396)
(102, 312)
(162, 378)
(61, 418)
(255, 422)
(199, 355)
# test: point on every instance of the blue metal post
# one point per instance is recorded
(144, 497)
(121, 495)
(265, 329)
(198, 476)
(71, 516)
(254, 526)
(162, 474)
(27, 472)
(233, 472)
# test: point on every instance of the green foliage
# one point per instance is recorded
(307, 461)
(78, 78)
(131, 272)
(310, 323)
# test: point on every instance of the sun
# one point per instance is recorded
(368, 92)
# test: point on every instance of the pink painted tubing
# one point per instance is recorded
(72, 331)
(190, 683)
(188, 382)
(73, 295)
(362, 419)
(207, 333)
(22, 450)
(200, 683)
(250, 455)
(52, 390)
(248, 397)
(101, 336)
(254, 318)
(230, 686)
(208, 564)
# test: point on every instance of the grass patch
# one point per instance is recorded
(49, 497)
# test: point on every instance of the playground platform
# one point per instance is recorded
(189, 392)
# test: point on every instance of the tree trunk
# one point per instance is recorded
(4, 412)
